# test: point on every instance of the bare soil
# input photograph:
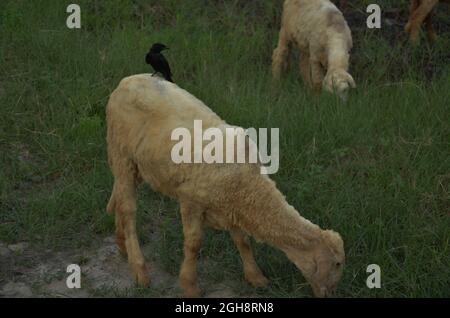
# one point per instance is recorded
(30, 272)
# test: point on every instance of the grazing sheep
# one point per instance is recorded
(141, 115)
(322, 35)
(421, 12)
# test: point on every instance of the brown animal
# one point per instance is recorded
(319, 30)
(421, 12)
(142, 114)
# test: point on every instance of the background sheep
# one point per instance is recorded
(322, 35)
(421, 11)
(141, 115)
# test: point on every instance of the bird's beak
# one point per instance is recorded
(166, 48)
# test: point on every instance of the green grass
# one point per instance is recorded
(376, 169)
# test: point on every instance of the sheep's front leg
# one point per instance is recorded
(280, 56)
(317, 76)
(192, 219)
(252, 273)
(124, 198)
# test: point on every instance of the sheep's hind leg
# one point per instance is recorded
(123, 201)
(120, 236)
(252, 273)
(432, 36)
(418, 17)
(111, 209)
(192, 220)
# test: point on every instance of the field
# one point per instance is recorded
(376, 169)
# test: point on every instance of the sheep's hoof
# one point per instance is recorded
(192, 292)
(432, 37)
(258, 280)
(142, 277)
(122, 248)
(414, 38)
(408, 27)
(123, 252)
(144, 280)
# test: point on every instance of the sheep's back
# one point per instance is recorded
(146, 110)
(313, 22)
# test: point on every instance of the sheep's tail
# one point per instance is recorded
(111, 207)
(111, 136)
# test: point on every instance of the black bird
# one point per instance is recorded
(158, 61)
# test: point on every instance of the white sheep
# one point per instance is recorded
(319, 30)
(141, 115)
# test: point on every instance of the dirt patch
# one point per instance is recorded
(28, 271)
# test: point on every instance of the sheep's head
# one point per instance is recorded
(323, 263)
(339, 81)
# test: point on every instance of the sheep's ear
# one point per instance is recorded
(335, 239)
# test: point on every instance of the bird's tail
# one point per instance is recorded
(168, 77)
